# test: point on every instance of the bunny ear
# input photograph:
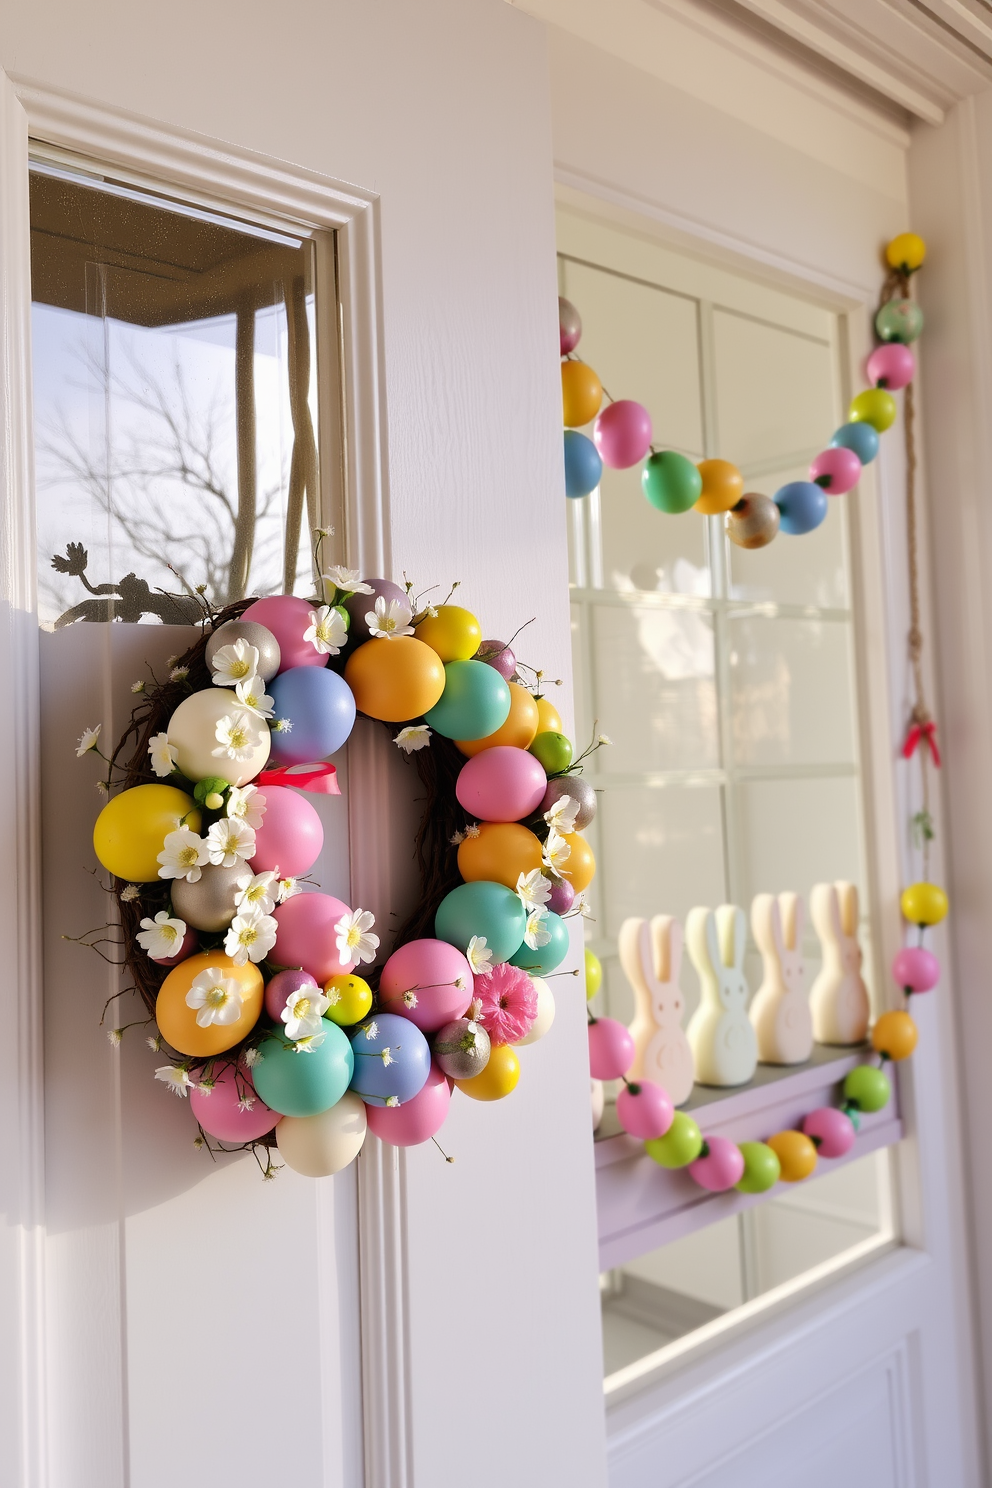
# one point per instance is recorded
(798, 922)
(740, 936)
(763, 910)
(825, 909)
(666, 936)
(629, 946)
(732, 934)
(701, 941)
(793, 914)
(847, 894)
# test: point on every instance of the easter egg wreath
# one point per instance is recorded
(262, 990)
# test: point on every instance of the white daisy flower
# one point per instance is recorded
(183, 855)
(251, 694)
(327, 631)
(309, 1042)
(234, 663)
(177, 1078)
(251, 936)
(164, 755)
(533, 889)
(216, 997)
(130, 892)
(229, 840)
(556, 851)
(287, 888)
(303, 1012)
(413, 737)
(88, 740)
(236, 737)
(346, 579)
(256, 891)
(354, 942)
(162, 936)
(478, 955)
(389, 619)
(535, 935)
(247, 803)
(561, 816)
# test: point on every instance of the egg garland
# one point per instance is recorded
(283, 1032)
(673, 484)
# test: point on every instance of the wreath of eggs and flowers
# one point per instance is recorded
(280, 1029)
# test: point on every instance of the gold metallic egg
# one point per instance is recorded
(208, 904)
(753, 522)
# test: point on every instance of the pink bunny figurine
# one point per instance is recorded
(839, 999)
(720, 1034)
(780, 1012)
(651, 957)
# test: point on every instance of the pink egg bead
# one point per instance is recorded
(291, 835)
(611, 1049)
(916, 968)
(837, 470)
(281, 988)
(287, 617)
(644, 1109)
(190, 942)
(496, 654)
(892, 366)
(436, 974)
(416, 1120)
(721, 1168)
(562, 897)
(501, 785)
(832, 1131)
(219, 1113)
(306, 935)
(622, 434)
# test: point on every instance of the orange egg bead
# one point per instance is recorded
(548, 718)
(518, 730)
(499, 1077)
(580, 869)
(395, 679)
(499, 854)
(177, 1020)
(796, 1154)
(581, 394)
(895, 1035)
(723, 486)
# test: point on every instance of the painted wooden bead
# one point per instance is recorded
(611, 1049)
(867, 1088)
(583, 467)
(861, 438)
(923, 904)
(671, 482)
(723, 487)
(721, 1165)
(874, 406)
(622, 434)
(644, 1109)
(762, 1168)
(899, 320)
(753, 522)
(892, 366)
(581, 394)
(681, 1144)
(830, 1130)
(837, 470)
(796, 1154)
(895, 1035)
(569, 325)
(915, 969)
(907, 251)
(802, 506)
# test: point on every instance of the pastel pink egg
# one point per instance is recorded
(622, 434)
(501, 785)
(892, 366)
(831, 1130)
(721, 1168)
(837, 470)
(288, 617)
(291, 835)
(306, 935)
(498, 655)
(644, 1109)
(916, 968)
(611, 1049)
(416, 1120)
(190, 942)
(219, 1114)
(281, 988)
(430, 970)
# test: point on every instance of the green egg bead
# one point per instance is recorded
(867, 1088)
(899, 320)
(681, 1144)
(553, 751)
(761, 1168)
(670, 482)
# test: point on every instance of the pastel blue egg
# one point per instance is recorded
(392, 1059)
(474, 704)
(482, 908)
(303, 1084)
(583, 467)
(802, 506)
(320, 707)
(542, 959)
(861, 438)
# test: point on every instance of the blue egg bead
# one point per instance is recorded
(304, 1083)
(482, 908)
(583, 467)
(392, 1060)
(802, 506)
(861, 438)
(540, 960)
(474, 704)
(320, 708)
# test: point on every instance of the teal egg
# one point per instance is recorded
(542, 959)
(482, 908)
(474, 704)
(307, 1083)
(670, 482)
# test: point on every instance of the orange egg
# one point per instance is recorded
(895, 1035)
(395, 679)
(177, 1020)
(581, 394)
(723, 486)
(580, 869)
(499, 1077)
(500, 853)
(796, 1154)
(518, 730)
(548, 718)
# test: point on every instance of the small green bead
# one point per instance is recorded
(867, 1088)
(681, 1144)
(761, 1168)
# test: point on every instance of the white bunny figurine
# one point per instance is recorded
(651, 956)
(720, 1033)
(839, 999)
(780, 1012)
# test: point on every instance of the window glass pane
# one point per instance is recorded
(774, 393)
(810, 570)
(795, 833)
(792, 691)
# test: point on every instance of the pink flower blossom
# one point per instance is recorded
(509, 1003)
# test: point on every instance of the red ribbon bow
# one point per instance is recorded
(319, 777)
(917, 734)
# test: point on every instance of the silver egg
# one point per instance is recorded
(265, 643)
(461, 1049)
(208, 904)
(579, 790)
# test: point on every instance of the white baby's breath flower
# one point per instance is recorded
(303, 1012)
(354, 942)
(251, 936)
(386, 1055)
(179, 674)
(533, 889)
(164, 755)
(347, 580)
(371, 1030)
(472, 830)
(410, 999)
(235, 737)
(88, 740)
(389, 619)
(287, 888)
(323, 532)
(413, 737)
(309, 1042)
(137, 686)
(392, 1100)
(561, 816)
(102, 788)
(535, 934)
(216, 997)
(281, 725)
(183, 855)
(207, 1087)
(229, 841)
(234, 663)
(256, 891)
(327, 631)
(154, 1042)
(251, 694)
(604, 739)
(198, 1141)
(130, 892)
(115, 1035)
(456, 839)
(581, 905)
(176, 1076)
(162, 936)
(247, 803)
(246, 1103)
(478, 955)
(251, 1057)
(171, 661)
(556, 851)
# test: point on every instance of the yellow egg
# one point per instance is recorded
(723, 486)
(193, 732)
(581, 394)
(499, 1077)
(350, 998)
(131, 829)
(455, 634)
(580, 868)
(907, 251)
(895, 1035)
(518, 730)
(499, 854)
(548, 718)
(923, 904)
(177, 1020)
(395, 679)
(796, 1153)
(594, 974)
(874, 406)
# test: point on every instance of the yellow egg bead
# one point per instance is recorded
(519, 729)
(395, 679)
(455, 634)
(548, 718)
(499, 1077)
(499, 854)
(796, 1154)
(350, 999)
(874, 406)
(594, 974)
(723, 486)
(907, 251)
(580, 866)
(131, 829)
(895, 1035)
(923, 904)
(581, 394)
(177, 1021)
